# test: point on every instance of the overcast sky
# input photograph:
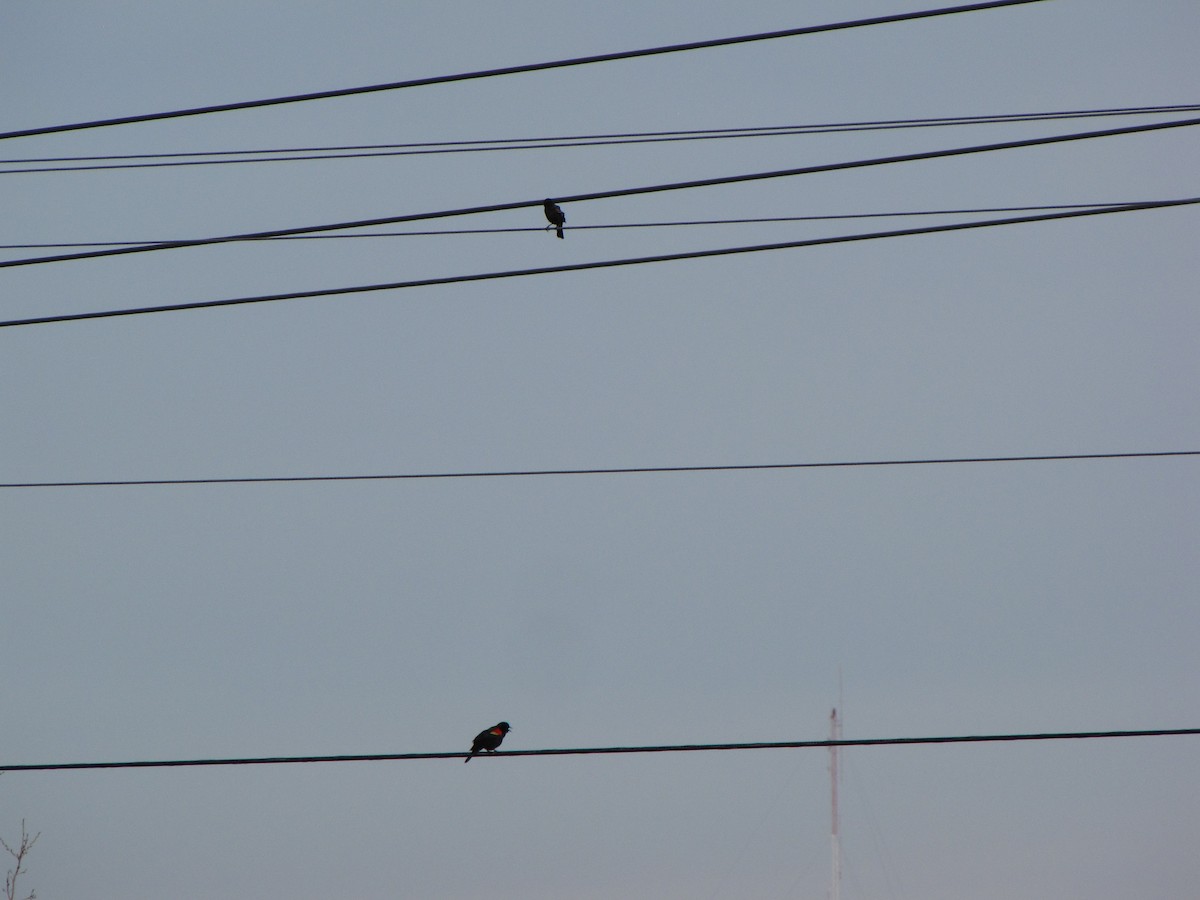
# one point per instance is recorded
(288, 619)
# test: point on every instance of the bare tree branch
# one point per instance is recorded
(19, 854)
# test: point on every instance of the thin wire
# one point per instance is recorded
(586, 751)
(579, 267)
(751, 837)
(374, 151)
(620, 192)
(817, 127)
(633, 470)
(513, 70)
(882, 854)
(753, 221)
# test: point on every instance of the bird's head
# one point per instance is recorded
(503, 728)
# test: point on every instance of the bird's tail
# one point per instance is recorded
(559, 231)
(469, 757)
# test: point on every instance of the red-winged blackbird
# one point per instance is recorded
(554, 215)
(489, 739)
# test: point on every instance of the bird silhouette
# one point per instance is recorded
(489, 739)
(554, 215)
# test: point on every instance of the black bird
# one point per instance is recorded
(554, 215)
(489, 739)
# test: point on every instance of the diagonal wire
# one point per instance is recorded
(579, 267)
(620, 192)
(375, 151)
(585, 751)
(761, 220)
(635, 470)
(513, 70)
(817, 127)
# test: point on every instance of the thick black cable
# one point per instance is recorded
(589, 751)
(630, 470)
(579, 267)
(513, 70)
(428, 148)
(620, 192)
(761, 220)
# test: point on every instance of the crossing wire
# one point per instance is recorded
(579, 267)
(620, 192)
(513, 70)
(426, 148)
(761, 220)
(588, 751)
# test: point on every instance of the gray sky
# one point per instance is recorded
(377, 617)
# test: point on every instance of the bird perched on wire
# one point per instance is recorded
(489, 739)
(554, 215)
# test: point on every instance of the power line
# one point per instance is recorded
(426, 148)
(817, 128)
(620, 192)
(761, 220)
(632, 470)
(588, 751)
(513, 70)
(579, 267)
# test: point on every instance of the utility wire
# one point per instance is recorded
(526, 230)
(816, 128)
(513, 70)
(632, 470)
(587, 751)
(426, 148)
(579, 267)
(620, 192)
